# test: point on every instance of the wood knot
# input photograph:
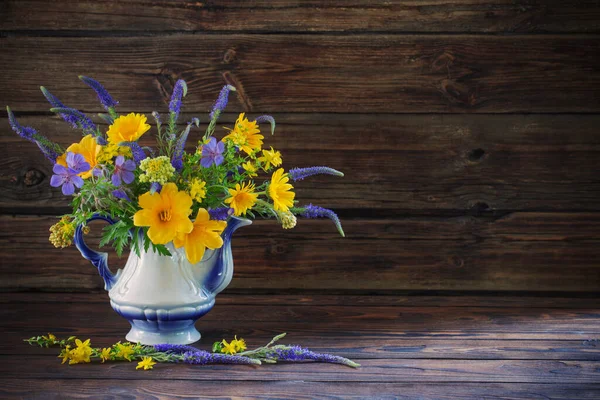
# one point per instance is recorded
(456, 261)
(229, 56)
(476, 155)
(458, 93)
(33, 177)
(479, 208)
(442, 61)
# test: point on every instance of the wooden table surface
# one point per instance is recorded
(425, 347)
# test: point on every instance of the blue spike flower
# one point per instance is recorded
(177, 159)
(81, 120)
(179, 91)
(221, 102)
(220, 213)
(56, 103)
(50, 149)
(311, 211)
(267, 118)
(137, 152)
(105, 98)
(297, 174)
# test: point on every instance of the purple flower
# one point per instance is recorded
(105, 98)
(179, 91)
(174, 348)
(202, 357)
(220, 213)
(136, 151)
(297, 353)
(177, 159)
(56, 103)
(268, 118)
(68, 177)
(123, 171)
(120, 194)
(297, 174)
(49, 149)
(311, 211)
(81, 120)
(221, 102)
(212, 153)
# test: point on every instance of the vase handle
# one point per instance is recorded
(98, 259)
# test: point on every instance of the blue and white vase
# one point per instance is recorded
(163, 296)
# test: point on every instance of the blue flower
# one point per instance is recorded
(56, 103)
(137, 152)
(297, 174)
(120, 194)
(105, 98)
(68, 177)
(123, 171)
(221, 102)
(311, 211)
(220, 213)
(212, 153)
(179, 91)
(50, 149)
(269, 119)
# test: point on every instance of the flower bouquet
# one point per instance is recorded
(175, 209)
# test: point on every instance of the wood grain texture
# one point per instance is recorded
(406, 164)
(521, 251)
(488, 16)
(146, 387)
(306, 73)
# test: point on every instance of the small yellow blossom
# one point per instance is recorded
(65, 354)
(270, 158)
(124, 351)
(166, 213)
(280, 191)
(197, 190)
(206, 234)
(250, 169)
(50, 337)
(61, 233)
(112, 150)
(245, 135)
(158, 169)
(228, 348)
(240, 344)
(242, 198)
(105, 354)
(146, 363)
(81, 353)
(127, 128)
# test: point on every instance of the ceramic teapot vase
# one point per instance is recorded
(163, 296)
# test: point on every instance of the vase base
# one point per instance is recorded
(188, 335)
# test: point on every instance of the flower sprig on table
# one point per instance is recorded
(75, 351)
(163, 194)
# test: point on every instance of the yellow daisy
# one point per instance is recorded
(228, 348)
(270, 157)
(124, 351)
(127, 128)
(105, 354)
(246, 135)
(206, 234)
(280, 191)
(242, 198)
(146, 363)
(250, 169)
(166, 213)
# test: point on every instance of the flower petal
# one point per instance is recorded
(56, 180)
(162, 233)
(77, 181)
(149, 200)
(127, 176)
(68, 188)
(145, 217)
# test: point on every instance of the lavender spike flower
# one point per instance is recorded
(179, 91)
(177, 159)
(105, 98)
(221, 102)
(297, 174)
(56, 103)
(50, 149)
(107, 118)
(269, 119)
(297, 353)
(202, 357)
(137, 152)
(82, 120)
(220, 213)
(311, 211)
(174, 348)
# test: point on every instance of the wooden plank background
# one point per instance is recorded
(468, 132)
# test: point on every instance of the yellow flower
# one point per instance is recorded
(166, 213)
(81, 353)
(270, 157)
(240, 344)
(280, 191)
(146, 363)
(127, 128)
(61, 233)
(65, 354)
(124, 351)
(288, 220)
(197, 190)
(158, 169)
(50, 337)
(88, 148)
(206, 234)
(105, 354)
(110, 151)
(246, 135)
(228, 348)
(250, 169)
(242, 198)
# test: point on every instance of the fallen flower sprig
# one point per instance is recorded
(75, 351)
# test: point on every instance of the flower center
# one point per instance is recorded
(165, 215)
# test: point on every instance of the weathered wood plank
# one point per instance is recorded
(379, 370)
(406, 162)
(312, 73)
(403, 254)
(307, 16)
(145, 386)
